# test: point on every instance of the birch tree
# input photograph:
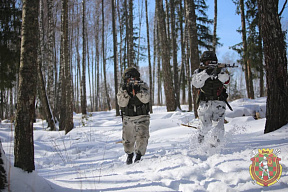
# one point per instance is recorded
(66, 112)
(24, 143)
(83, 81)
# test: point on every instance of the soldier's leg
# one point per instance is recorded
(219, 108)
(142, 135)
(128, 135)
(204, 113)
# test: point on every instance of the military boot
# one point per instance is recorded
(138, 158)
(129, 159)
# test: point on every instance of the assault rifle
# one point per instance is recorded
(133, 83)
(213, 65)
(217, 65)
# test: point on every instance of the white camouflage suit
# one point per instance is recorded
(135, 132)
(211, 112)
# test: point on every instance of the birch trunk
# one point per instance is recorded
(24, 143)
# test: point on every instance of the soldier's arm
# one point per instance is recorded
(223, 76)
(122, 97)
(199, 78)
(144, 94)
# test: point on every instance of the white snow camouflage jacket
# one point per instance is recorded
(199, 77)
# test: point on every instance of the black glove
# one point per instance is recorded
(124, 87)
(129, 88)
(209, 71)
(137, 88)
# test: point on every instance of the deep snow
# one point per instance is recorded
(90, 159)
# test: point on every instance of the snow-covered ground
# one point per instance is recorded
(90, 159)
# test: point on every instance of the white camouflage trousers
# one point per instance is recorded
(211, 115)
(135, 133)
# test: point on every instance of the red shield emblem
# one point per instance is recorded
(265, 169)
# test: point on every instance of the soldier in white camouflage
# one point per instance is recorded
(133, 98)
(211, 98)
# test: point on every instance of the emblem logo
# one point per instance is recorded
(266, 169)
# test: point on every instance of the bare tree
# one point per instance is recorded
(167, 75)
(215, 26)
(24, 143)
(248, 73)
(130, 34)
(44, 97)
(97, 74)
(174, 54)
(149, 59)
(183, 54)
(51, 70)
(193, 43)
(104, 58)
(115, 56)
(276, 65)
(66, 112)
(83, 96)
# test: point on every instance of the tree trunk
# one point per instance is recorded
(83, 96)
(50, 83)
(188, 74)
(193, 41)
(44, 98)
(248, 74)
(215, 26)
(166, 68)
(276, 65)
(78, 72)
(24, 142)
(261, 66)
(3, 175)
(183, 56)
(115, 56)
(104, 58)
(130, 41)
(97, 43)
(66, 112)
(149, 59)
(89, 77)
(174, 55)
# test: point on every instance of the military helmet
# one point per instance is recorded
(208, 56)
(131, 72)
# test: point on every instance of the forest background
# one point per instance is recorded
(91, 48)
(62, 57)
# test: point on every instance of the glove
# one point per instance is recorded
(124, 87)
(129, 88)
(136, 88)
(209, 71)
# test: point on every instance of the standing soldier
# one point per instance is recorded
(211, 98)
(133, 98)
